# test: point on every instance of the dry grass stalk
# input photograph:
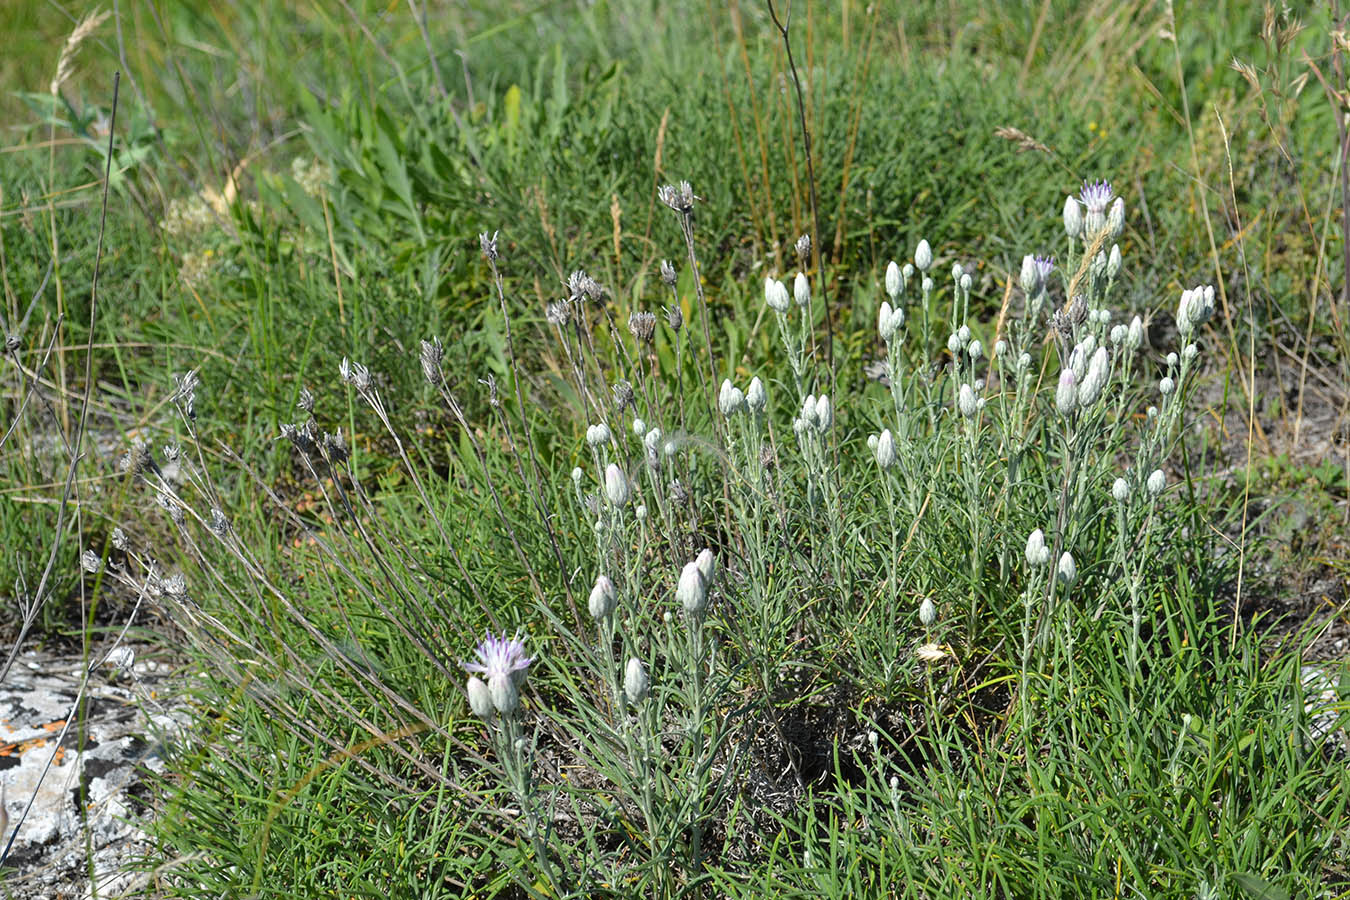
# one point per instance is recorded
(65, 66)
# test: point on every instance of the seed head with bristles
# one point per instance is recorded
(65, 66)
(642, 325)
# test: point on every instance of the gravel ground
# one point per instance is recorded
(82, 774)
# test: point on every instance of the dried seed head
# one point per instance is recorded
(488, 244)
(91, 562)
(432, 355)
(354, 374)
(119, 539)
(674, 318)
(678, 197)
(137, 460)
(305, 402)
(642, 325)
(668, 274)
(218, 524)
(803, 247)
(679, 494)
(558, 313)
(335, 447)
(623, 395)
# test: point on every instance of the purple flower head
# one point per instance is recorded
(1097, 196)
(500, 656)
(1044, 266)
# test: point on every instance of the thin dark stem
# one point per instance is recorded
(782, 26)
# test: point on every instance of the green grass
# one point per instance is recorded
(555, 128)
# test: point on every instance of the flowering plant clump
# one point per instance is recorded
(729, 573)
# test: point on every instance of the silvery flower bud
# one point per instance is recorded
(1095, 380)
(1073, 218)
(907, 270)
(872, 441)
(1189, 352)
(776, 295)
(1093, 224)
(923, 256)
(756, 398)
(616, 485)
(1184, 323)
(1156, 482)
(1037, 552)
(965, 401)
(957, 271)
(1066, 395)
(504, 694)
(1120, 490)
(963, 334)
(1166, 386)
(897, 318)
(966, 282)
(1118, 335)
(927, 612)
(1115, 219)
(653, 439)
(635, 681)
(692, 589)
(598, 435)
(1113, 262)
(1152, 412)
(1067, 569)
(577, 475)
(885, 327)
(730, 400)
(926, 285)
(824, 414)
(885, 450)
(1136, 334)
(707, 565)
(1023, 362)
(808, 414)
(480, 698)
(801, 290)
(895, 281)
(1172, 360)
(640, 512)
(1000, 349)
(603, 598)
(976, 350)
(1031, 275)
(639, 428)
(954, 344)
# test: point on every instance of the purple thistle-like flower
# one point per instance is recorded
(1044, 266)
(1097, 196)
(499, 655)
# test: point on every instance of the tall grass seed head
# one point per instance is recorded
(1157, 481)
(1066, 395)
(895, 281)
(635, 681)
(966, 401)
(923, 256)
(927, 612)
(692, 589)
(1120, 490)
(801, 290)
(603, 598)
(617, 490)
(756, 398)
(885, 449)
(776, 295)
(1073, 218)
(1067, 570)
